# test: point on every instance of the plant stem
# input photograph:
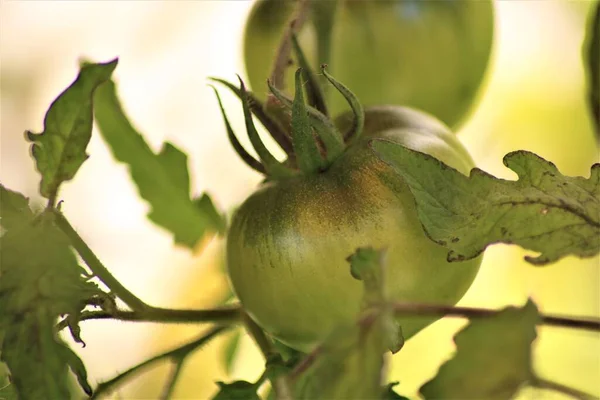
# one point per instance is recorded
(281, 64)
(280, 384)
(96, 266)
(226, 314)
(223, 315)
(306, 362)
(467, 312)
(285, 46)
(263, 342)
(566, 390)
(173, 377)
(178, 355)
(52, 200)
(589, 324)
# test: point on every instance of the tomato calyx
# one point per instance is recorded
(307, 135)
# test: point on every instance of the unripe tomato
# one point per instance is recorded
(431, 55)
(288, 242)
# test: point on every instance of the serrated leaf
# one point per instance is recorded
(40, 281)
(162, 179)
(230, 350)
(59, 150)
(206, 204)
(493, 358)
(592, 58)
(238, 390)
(78, 368)
(543, 211)
(14, 209)
(33, 355)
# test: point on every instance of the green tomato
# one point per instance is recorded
(430, 55)
(288, 242)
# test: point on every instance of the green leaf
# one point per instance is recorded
(40, 281)
(59, 150)
(162, 179)
(78, 368)
(493, 358)
(238, 390)
(592, 55)
(368, 265)
(350, 361)
(230, 351)
(543, 211)
(14, 209)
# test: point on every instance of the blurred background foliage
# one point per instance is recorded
(534, 99)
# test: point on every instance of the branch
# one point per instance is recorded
(96, 266)
(284, 50)
(306, 363)
(173, 377)
(557, 387)
(464, 312)
(177, 355)
(280, 383)
(222, 315)
(467, 312)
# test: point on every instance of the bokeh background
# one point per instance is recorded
(533, 99)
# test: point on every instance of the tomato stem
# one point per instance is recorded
(324, 127)
(239, 149)
(467, 312)
(323, 17)
(280, 383)
(357, 108)
(96, 265)
(282, 56)
(177, 355)
(560, 388)
(314, 94)
(272, 125)
(273, 167)
(306, 149)
(224, 315)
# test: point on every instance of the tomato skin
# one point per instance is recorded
(430, 55)
(288, 242)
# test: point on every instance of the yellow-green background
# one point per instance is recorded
(533, 100)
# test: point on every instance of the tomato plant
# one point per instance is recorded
(287, 244)
(370, 228)
(431, 55)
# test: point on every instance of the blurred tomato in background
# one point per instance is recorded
(534, 100)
